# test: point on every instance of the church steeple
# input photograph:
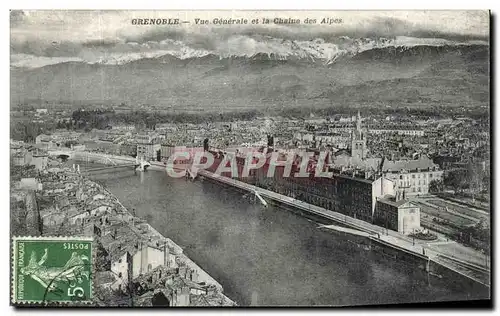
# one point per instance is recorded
(358, 123)
(358, 142)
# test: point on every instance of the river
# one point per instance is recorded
(270, 256)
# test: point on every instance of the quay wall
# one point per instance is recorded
(404, 251)
(203, 276)
(424, 263)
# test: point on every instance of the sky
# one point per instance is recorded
(40, 38)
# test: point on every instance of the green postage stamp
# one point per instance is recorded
(52, 270)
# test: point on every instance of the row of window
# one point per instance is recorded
(418, 189)
(421, 175)
(361, 202)
(413, 183)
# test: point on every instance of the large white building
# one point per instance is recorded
(132, 256)
(397, 131)
(148, 146)
(412, 176)
(397, 213)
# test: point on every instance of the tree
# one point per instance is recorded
(69, 143)
(475, 176)
(486, 183)
(457, 180)
(26, 131)
(436, 186)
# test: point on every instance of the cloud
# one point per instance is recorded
(97, 35)
(16, 17)
(100, 43)
(30, 61)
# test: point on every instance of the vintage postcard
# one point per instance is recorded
(250, 158)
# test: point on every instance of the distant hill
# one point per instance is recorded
(417, 76)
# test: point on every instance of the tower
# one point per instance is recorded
(358, 141)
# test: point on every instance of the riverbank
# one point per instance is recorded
(419, 249)
(389, 238)
(202, 277)
(135, 265)
(153, 233)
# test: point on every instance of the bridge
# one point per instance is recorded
(137, 166)
(112, 163)
(61, 154)
(111, 168)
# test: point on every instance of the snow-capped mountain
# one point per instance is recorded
(317, 50)
(265, 72)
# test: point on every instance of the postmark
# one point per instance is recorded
(52, 270)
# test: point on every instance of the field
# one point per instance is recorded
(442, 214)
(459, 209)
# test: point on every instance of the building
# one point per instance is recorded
(148, 147)
(30, 184)
(57, 139)
(22, 157)
(446, 161)
(41, 111)
(61, 137)
(45, 141)
(132, 255)
(353, 194)
(397, 213)
(358, 141)
(167, 149)
(124, 128)
(103, 146)
(397, 130)
(170, 287)
(128, 149)
(341, 159)
(39, 160)
(412, 176)
(361, 194)
(18, 159)
(16, 148)
(184, 155)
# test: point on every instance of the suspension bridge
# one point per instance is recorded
(110, 163)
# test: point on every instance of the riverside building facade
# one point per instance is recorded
(412, 176)
(354, 194)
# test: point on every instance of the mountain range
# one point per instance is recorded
(422, 74)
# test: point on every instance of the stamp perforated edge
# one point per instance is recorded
(13, 285)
